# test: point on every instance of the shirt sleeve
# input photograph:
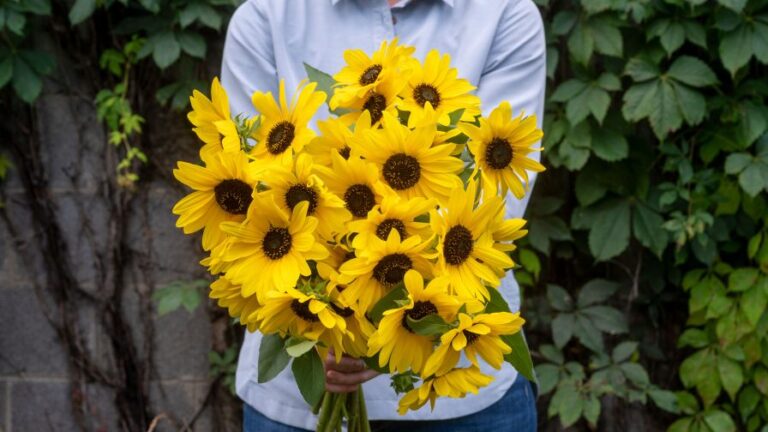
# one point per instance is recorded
(248, 63)
(516, 72)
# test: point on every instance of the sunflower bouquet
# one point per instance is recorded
(382, 237)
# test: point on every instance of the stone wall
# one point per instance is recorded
(81, 346)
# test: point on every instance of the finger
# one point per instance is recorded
(337, 388)
(354, 378)
(347, 364)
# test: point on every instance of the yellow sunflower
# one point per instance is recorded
(355, 181)
(396, 343)
(466, 249)
(299, 184)
(408, 162)
(210, 117)
(394, 213)
(436, 83)
(501, 145)
(271, 247)
(456, 384)
(335, 136)
(230, 296)
(284, 128)
(359, 328)
(363, 74)
(381, 266)
(481, 335)
(292, 312)
(222, 192)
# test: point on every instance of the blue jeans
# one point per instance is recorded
(516, 411)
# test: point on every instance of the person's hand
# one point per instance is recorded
(347, 375)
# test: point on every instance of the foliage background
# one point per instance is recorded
(644, 272)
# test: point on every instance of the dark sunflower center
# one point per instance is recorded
(457, 245)
(375, 104)
(298, 193)
(390, 270)
(343, 312)
(471, 337)
(424, 93)
(302, 311)
(234, 196)
(401, 171)
(359, 200)
(387, 225)
(280, 137)
(419, 311)
(276, 243)
(344, 152)
(499, 153)
(370, 75)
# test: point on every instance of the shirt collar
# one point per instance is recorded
(448, 2)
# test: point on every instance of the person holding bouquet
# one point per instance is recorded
(498, 49)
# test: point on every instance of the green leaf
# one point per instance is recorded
(324, 82)
(736, 162)
(692, 104)
(734, 5)
(548, 375)
(730, 375)
(520, 357)
(752, 180)
(641, 70)
(568, 403)
(742, 279)
(693, 337)
(26, 82)
(736, 48)
(608, 39)
(568, 90)
(81, 10)
(192, 44)
(666, 116)
(623, 351)
(673, 37)
(297, 347)
(559, 298)
(166, 49)
(596, 291)
(430, 325)
(588, 334)
(272, 357)
(607, 319)
(692, 71)
(609, 145)
(562, 328)
(635, 373)
(592, 410)
(648, 230)
(6, 71)
(589, 189)
(665, 400)
(719, 421)
(581, 43)
(389, 301)
(609, 235)
(310, 377)
(753, 302)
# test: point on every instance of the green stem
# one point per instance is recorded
(363, 412)
(338, 402)
(353, 411)
(325, 411)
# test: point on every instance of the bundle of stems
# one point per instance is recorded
(334, 408)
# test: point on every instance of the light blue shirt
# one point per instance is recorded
(498, 45)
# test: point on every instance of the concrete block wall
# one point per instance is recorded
(36, 391)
